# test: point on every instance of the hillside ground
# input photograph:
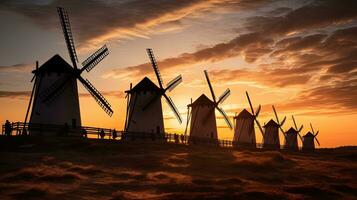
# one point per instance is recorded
(74, 168)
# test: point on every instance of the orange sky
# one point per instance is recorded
(299, 56)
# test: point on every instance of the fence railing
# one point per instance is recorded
(20, 128)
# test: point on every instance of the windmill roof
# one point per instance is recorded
(271, 123)
(202, 100)
(245, 115)
(144, 85)
(309, 134)
(292, 130)
(54, 64)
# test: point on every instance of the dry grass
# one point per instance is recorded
(68, 168)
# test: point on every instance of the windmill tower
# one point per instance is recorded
(55, 88)
(203, 119)
(308, 143)
(271, 135)
(244, 132)
(291, 142)
(144, 111)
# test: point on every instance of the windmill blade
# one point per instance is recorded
(250, 103)
(175, 82)
(173, 108)
(154, 65)
(259, 126)
(95, 58)
(66, 27)
(258, 110)
(53, 91)
(210, 86)
(317, 141)
(229, 123)
(302, 140)
(276, 115)
(99, 98)
(296, 128)
(282, 122)
(224, 96)
(301, 127)
(316, 133)
(312, 129)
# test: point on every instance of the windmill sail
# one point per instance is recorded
(154, 65)
(95, 58)
(66, 27)
(103, 103)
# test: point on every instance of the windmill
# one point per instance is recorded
(309, 140)
(271, 139)
(244, 132)
(144, 111)
(291, 142)
(55, 92)
(203, 119)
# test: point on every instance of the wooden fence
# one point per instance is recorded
(18, 128)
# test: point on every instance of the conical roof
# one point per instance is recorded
(309, 134)
(244, 114)
(271, 123)
(291, 131)
(54, 64)
(202, 100)
(144, 85)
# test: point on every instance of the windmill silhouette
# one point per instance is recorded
(271, 132)
(291, 135)
(244, 132)
(55, 88)
(309, 140)
(203, 118)
(144, 111)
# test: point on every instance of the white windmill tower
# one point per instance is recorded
(144, 111)
(244, 132)
(55, 89)
(308, 143)
(291, 135)
(203, 119)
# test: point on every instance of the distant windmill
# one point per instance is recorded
(55, 92)
(309, 140)
(291, 142)
(203, 119)
(244, 132)
(144, 111)
(271, 134)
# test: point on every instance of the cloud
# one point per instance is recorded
(17, 68)
(94, 21)
(263, 33)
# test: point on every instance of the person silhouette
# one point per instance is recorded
(114, 134)
(7, 128)
(102, 134)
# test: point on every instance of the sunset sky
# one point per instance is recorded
(299, 55)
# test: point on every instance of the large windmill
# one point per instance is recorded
(203, 119)
(55, 89)
(144, 112)
(291, 135)
(309, 140)
(244, 132)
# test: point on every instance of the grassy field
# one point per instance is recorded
(71, 168)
